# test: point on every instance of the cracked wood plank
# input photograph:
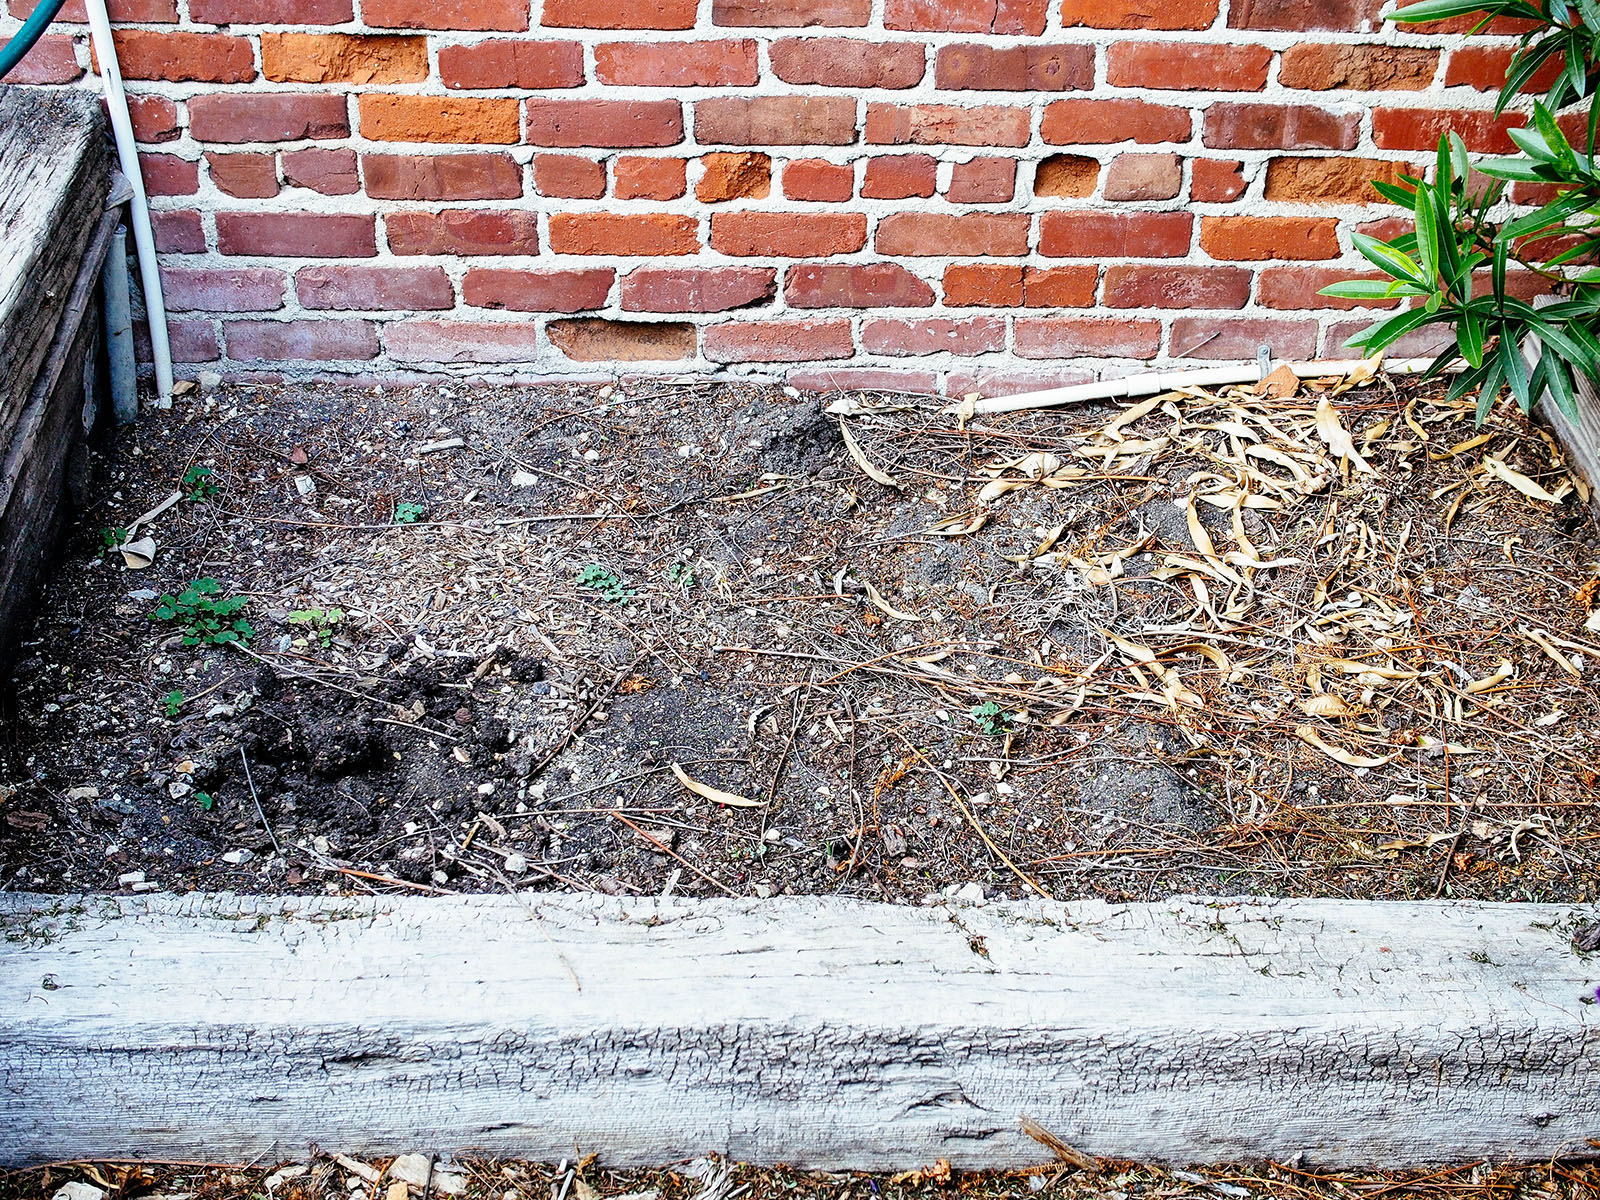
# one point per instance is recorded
(818, 1032)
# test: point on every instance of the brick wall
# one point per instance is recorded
(968, 194)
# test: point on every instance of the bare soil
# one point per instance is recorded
(1112, 650)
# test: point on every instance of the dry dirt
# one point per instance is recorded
(1198, 648)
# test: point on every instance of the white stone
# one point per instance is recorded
(78, 1190)
(238, 858)
(971, 893)
(516, 864)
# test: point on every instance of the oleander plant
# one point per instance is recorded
(1466, 235)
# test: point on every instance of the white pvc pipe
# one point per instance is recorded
(143, 237)
(1153, 382)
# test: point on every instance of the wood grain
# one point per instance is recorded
(812, 1031)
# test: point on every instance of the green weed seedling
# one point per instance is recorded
(206, 616)
(112, 536)
(406, 513)
(992, 719)
(172, 704)
(198, 484)
(319, 624)
(604, 583)
(681, 574)
(205, 799)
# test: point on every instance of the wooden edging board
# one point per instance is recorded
(811, 1031)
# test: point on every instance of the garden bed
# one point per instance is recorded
(1195, 645)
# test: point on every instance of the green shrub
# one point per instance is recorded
(1458, 238)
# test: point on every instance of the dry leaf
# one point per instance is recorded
(874, 473)
(1309, 736)
(1327, 705)
(874, 595)
(1497, 468)
(731, 799)
(1337, 437)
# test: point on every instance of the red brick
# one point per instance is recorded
(913, 235)
(1029, 68)
(779, 341)
(374, 289)
(733, 175)
(297, 235)
(819, 180)
(1070, 175)
(1253, 239)
(53, 59)
(454, 119)
(154, 119)
(1279, 127)
(984, 285)
(344, 58)
(1421, 343)
(267, 117)
(222, 289)
(1386, 229)
(633, 235)
(505, 15)
(1139, 14)
(590, 339)
(828, 380)
(857, 285)
(331, 172)
(638, 178)
(1077, 337)
(700, 290)
(947, 125)
(189, 341)
(247, 176)
(620, 123)
(676, 64)
(899, 176)
(169, 175)
(1294, 16)
(1011, 381)
(462, 341)
(1309, 180)
(178, 231)
(569, 176)
(983, 181)
(1144, 177)
(1060, 287)
(268, 12)
(1421, 129)
(1097, 122)
(1485, 68)
(462, 231)
(1236, 338)
(967, 16)
(620, 14)
(1216, 180)
(442, 176)
(1501, 26)
(1115, 235)
(791, 14)
(537, 291)
(1134, 286)
(1321, 67)
(301, 341)
(847, 62)
(1297, 287)
(776, 121)
(787, 235)
(139, 12)
(504, 63)
(933, 335)
(182, 57)
(1185, 67)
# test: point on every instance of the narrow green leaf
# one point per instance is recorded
(1427, 219)
(1560, 384)
(1386, 333)
(1469, 335)
(1489, 389)
(1388, 259)
(1369, 289)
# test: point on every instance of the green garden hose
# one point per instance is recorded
(14, 50)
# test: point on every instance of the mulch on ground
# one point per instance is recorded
(324, 1177)
(723, 638)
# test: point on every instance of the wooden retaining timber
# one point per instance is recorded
(54, 177)
(813, 1031)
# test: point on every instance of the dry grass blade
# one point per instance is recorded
(1066, 1153)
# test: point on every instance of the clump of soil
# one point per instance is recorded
(488, 623)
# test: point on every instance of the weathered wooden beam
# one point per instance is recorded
(811, 1031)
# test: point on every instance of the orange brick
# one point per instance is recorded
(460, 119)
